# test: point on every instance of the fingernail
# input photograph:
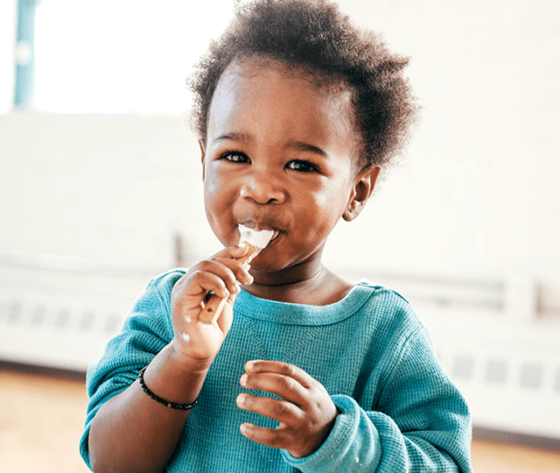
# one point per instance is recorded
(246, 429)
(243, 380)
(241, 399)
(249, 365)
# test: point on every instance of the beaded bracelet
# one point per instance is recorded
(173, 405)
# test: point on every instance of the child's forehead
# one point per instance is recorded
(249, 77)
(252, 66)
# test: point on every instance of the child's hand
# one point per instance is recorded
(195, 341)
(306, 413)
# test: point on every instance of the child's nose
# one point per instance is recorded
(263, 189)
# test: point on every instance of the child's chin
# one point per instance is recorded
(265, 264)
(262, 267)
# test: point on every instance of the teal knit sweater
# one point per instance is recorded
(399, 410)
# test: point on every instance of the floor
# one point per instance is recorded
(41, 421)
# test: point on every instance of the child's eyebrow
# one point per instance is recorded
(301, 146)
(247, 138)
(235, 136)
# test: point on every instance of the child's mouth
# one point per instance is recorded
(260, 227)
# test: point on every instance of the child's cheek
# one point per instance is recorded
(213, 181)
(219, 200)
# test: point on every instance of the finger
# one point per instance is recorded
(232, 252)
(225, 258)
(189, 293)
(282, 411)
(240, 271)
(225, 319)
(277, 438)
(282, 368)
(286, 387)
(213, 310)
(228, 270)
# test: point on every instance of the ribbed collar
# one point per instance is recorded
(303, 314)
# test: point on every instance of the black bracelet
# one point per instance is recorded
(173, 405)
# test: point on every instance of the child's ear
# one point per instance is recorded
(202, 145)
(361, 192)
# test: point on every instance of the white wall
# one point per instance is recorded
(477, 195)
(105, 187)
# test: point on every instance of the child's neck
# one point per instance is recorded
(307, 283)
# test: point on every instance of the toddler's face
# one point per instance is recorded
(279, 155)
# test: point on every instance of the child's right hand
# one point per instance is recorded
(194, 341)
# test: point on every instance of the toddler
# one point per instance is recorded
(297, 111)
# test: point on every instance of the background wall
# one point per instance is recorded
(107, 187)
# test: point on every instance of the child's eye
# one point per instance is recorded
(303, 166)
(236, 157)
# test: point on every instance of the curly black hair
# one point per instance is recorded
(315, 36)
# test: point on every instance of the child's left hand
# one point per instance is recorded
(306, 412)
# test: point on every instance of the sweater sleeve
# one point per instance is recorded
(146, 331)
(422, 423)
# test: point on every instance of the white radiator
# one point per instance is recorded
(60, 312)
